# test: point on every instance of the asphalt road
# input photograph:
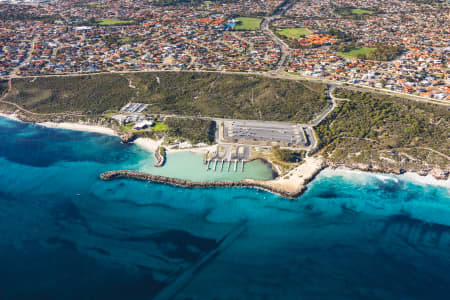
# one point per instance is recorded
(285, 50)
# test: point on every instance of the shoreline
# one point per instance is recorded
(295, 181)
(290, 188)
(198, 150)
(79, 127)
(408, 176)
(10, 117)
(436, 173)
(147, 144)
(151, 145)
(292, 183)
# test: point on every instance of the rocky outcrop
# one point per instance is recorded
(111, 175)
(440, 174)
(160, 157)
(128, 138)
(435, 172)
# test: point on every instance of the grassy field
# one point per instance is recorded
(129, 39)
(127, 128)
(97, 5)
(359, 11)
(355, 52)
(248, 23)
(182, 93)
(111, 22)
(294, 32)
(159, 126)
(126, 40)
(354, 12)
(207, 2)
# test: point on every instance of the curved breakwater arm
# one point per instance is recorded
(260, 184)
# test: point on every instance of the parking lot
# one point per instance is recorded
(265, 131)
(134, 108)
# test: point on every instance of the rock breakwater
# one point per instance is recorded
(259, 184)
(160, 156)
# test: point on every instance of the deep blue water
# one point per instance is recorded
(65, 234)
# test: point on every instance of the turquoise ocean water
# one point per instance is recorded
(65, 234)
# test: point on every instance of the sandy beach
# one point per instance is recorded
(295, 180)
(80, 127)
(151, 145)
(145, 143)
(10, 116)
(148, 144)
(200, 150)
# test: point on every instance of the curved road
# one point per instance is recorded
(326, 112)
(284, 48)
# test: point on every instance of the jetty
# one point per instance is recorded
(205, 158)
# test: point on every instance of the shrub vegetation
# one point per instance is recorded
(193, 130)
(87, 94)
(247, 23)
(230, 96)
(3, 86)
(182, 93)
(371, 126)
(286, 155)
